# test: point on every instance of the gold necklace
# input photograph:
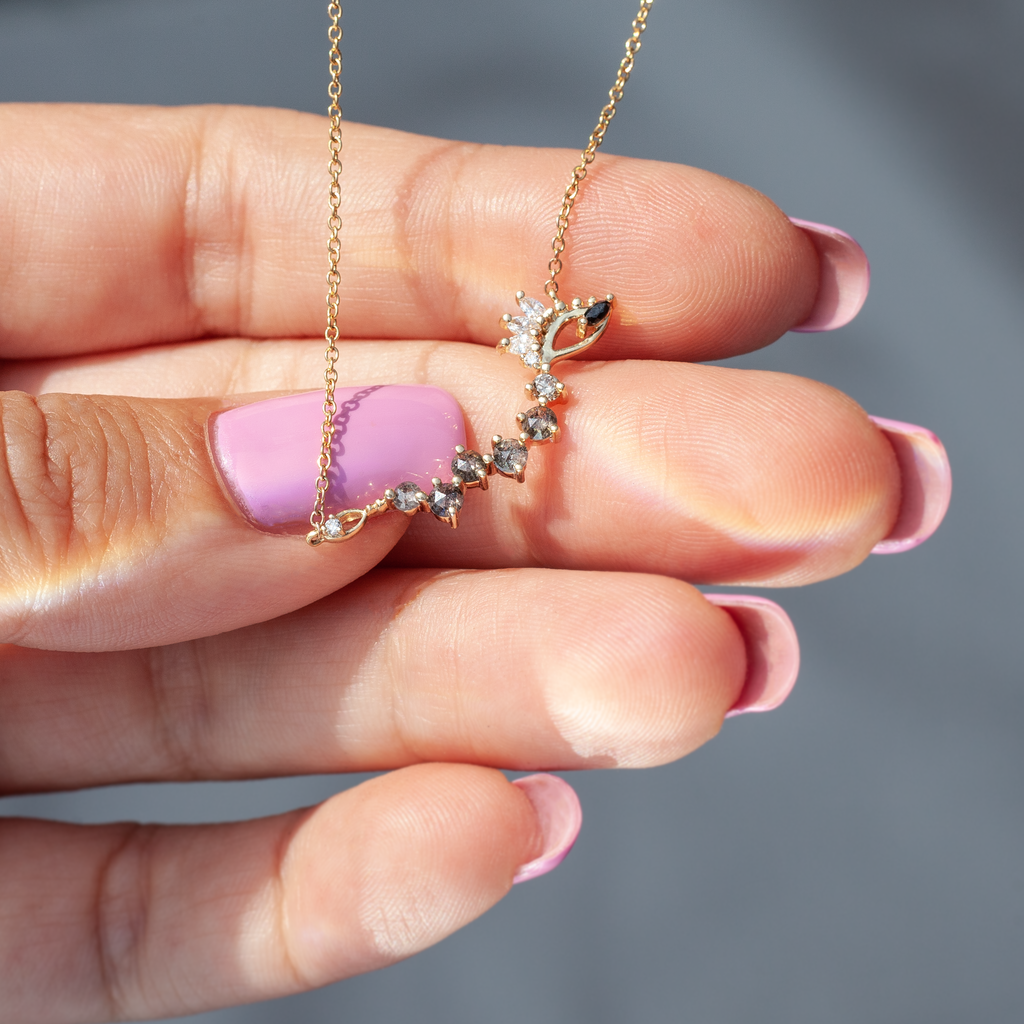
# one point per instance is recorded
(532, 337)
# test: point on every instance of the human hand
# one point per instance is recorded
(177, 256)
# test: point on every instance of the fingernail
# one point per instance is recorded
(267, 452)
(845, 277)
(773, 651)
(927, 483)
(560, 815)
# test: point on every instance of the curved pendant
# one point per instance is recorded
(534, 336)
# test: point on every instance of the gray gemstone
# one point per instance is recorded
(510, 456)
(445, 500)
(540, 423)
(545, 385)
(468, 465)
(405, 497)
(333, 528)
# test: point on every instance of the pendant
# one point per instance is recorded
(534, 337)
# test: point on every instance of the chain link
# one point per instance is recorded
(596, 138)
(316, 518)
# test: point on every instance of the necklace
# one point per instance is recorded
(533, 334)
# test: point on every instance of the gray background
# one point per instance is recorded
(856, 856)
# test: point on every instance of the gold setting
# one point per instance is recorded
(534, 337)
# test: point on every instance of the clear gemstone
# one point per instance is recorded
(510, 456)
(468, 465)
(540, 423)
(532, 359)
(523, 324)
(520, 344)
(532, 308)
(333, 528)
(445, 500)
(405, 497)
(545, 385)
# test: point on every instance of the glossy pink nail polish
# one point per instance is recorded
(845, 277)
(560, 815)
(773, 650)
(927, 483)
(385, 434)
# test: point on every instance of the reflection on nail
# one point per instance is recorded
(927, 483)
(267, 452)
(773, 650)
(845, 277)
(560, 816)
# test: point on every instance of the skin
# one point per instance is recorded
(169, 264)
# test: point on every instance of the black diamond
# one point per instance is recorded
(597, 312)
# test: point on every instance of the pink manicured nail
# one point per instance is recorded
(845, 277)
(773, 650)
(927, 485)
(558, 809)
(384, 435)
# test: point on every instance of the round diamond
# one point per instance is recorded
(545, 385)
(405, 497)
(540, 423)
(445, 500)
(510, 456)
(532, 360)
(333, 528)
(468, 465)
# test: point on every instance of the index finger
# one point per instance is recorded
(122, 226)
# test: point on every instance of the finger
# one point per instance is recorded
(597, 670)
(132, 922)
(163, 225)
(708, 474)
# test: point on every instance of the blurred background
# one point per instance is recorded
(858, 855)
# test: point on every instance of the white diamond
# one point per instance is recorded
(532, 308)
(532, 359)
(522, 324)
(546, 386)
(520, 344)
(333, 528)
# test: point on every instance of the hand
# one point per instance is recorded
(177, 256)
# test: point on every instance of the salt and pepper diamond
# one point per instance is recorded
(510, 456)
(445, 501)
(539, 423)
(407, 497)
(471, 467)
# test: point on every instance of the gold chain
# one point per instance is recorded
(596, 138)
(334, 33)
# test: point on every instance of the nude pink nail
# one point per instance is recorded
(845, 277)
(385, 434)
(560, 816)
(927, 483)
(773, 650)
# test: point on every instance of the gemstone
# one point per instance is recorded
(532, 359)
(597, 312)
(468, 465)
(532, 308)
(445, 500)
(333, 528)
(520, 344)
(540, 423)
(545, 385)
(522, 325)
(405, 497)
(510, 456)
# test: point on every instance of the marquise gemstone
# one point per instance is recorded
(597, 312)
(532, 308)
(540, 423)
